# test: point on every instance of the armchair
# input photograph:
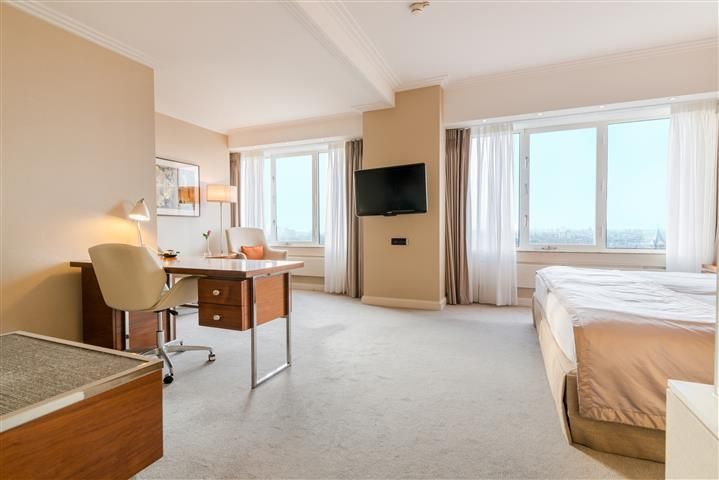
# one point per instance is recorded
(238, 237)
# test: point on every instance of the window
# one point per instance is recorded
(293, 197)
(597, 186)
(562, 180)
(295, 187)
(636, 184)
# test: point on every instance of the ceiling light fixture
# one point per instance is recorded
(540, 114)
(601, 107)
(418, 7)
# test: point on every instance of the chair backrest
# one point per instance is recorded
(245, 236)
(131, 278)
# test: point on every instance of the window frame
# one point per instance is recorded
(315, 154)
(602, 172)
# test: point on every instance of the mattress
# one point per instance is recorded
(700, 287)
(558, 319)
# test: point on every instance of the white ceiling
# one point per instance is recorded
(226, 65)
(464, 39)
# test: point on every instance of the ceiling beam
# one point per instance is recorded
(337, 30)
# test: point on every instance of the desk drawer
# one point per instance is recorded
(223, 292)
(224, 316)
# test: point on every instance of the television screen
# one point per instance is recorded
(391, 190)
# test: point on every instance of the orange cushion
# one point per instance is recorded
(256, 252)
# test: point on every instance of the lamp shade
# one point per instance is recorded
(222, 193)
(140, 212)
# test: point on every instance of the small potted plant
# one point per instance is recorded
(206, 236)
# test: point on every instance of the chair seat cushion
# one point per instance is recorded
(253, 252)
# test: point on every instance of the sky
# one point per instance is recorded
(563, 177)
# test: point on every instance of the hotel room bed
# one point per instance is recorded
(610, 340)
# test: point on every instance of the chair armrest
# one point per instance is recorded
(275, 254)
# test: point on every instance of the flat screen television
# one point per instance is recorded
(391, 191)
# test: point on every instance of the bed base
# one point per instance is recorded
(610, 437)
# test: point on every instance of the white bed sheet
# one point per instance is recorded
(701, 287)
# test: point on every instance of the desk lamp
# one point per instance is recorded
(140, 213)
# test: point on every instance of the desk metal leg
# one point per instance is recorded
(253, 336)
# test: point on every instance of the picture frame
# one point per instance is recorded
(177, 186)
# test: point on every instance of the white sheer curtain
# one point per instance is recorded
(336, 221)
(692, 189)
(252, 167)
(491, 217)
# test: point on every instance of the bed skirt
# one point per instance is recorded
(610, 437)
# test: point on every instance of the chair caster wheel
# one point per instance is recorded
(211, 357)
(168, 379)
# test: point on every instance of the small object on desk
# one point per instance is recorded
(709, 268)
(206, 236)
(169, 253)
(55, 396)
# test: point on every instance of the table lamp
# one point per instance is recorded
(222, 194)
(140, 213)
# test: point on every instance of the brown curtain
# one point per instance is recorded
(353, 157)
(457, 178)
(235, 180)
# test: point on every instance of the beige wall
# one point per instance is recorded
(657, 73)
(185, 142)
(413, 275)
(77, 151)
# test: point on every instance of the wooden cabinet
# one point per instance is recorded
(105, 428)
(227, 303)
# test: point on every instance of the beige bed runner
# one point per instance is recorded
(633, 331)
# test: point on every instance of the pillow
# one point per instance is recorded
(256, 252)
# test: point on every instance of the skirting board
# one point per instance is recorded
(314, 287)
(405, 303)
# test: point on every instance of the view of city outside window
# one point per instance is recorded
(322, 193)
(636, 184)
(562, 187)
(293, 194)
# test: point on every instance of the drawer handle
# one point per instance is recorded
(217, 317)
(216, 293)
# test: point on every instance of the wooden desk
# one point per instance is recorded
(69, 410)
(233, 294)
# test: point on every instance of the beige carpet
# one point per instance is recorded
(374, 393)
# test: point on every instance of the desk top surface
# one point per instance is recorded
(220, 267)
(38, 374)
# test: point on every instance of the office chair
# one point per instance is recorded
(132, 279)
(238, 237)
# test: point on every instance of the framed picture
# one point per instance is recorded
(178, 188)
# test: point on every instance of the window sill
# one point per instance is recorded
(282, 246)
(617, 251)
